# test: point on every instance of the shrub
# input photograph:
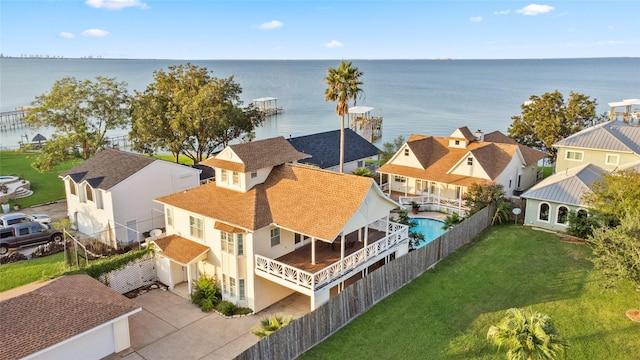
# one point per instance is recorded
(269, 325)
(226, 308)
(205, 293)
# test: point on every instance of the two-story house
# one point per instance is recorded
(436, 171)
(266, 228)
(111, 195)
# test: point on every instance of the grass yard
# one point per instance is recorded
(46, 187)
(168, 157)
(445, 313)
(25, 272)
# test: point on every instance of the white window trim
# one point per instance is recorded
(271, 237)
(191, 232)
(566, 155)
(169, 216)
(616, 156)
(548, 212)
(566, 223)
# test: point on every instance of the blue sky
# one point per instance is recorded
(194, 30)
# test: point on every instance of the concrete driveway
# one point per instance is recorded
(171, 327)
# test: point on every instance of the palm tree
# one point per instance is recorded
(269, 325)
(343, 84)
(528, 336)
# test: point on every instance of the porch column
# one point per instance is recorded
(313, 250)
(406, 185)
(189, 277)
(366, 236)
(386, 228)
(342, 252)
(359, 234)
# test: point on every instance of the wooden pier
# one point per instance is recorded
(268, 106)
(12, 120)
(362, 122)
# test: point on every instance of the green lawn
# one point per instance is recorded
(46, 187)
(445, 313)
(25, 272)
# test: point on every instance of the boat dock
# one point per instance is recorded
(268, 105)
(362, 122)
(12, 120)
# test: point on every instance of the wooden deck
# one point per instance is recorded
(326, 253)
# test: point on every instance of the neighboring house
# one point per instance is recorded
(436, 171)
(267, 228)
(207, 173)
(549, 202)
(608, 145)
(72, 317)
(324, 149)
(111, 195)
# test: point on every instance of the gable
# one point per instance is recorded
(566, 187)
(255, 155)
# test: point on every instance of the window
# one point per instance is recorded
(226, 241)
(562, 215)
(509, 183)
(236, 178)
(457, 142)
(240, 244)
(543, 212)
(458, 192)
(225, 284)
(89, 192)
(470, 161)
(23, 231)
(582, 213)
(224, 177)
(399, 179)
(519, 181)
(360, 163)
(196, 227)
(275, 237)
(169, 213)
(612, 159)
(433, 188)
(574, 155)
(72, 187)
(406, 152)
(232, 287)
(241, 293)
(99, 203)
(254, 174)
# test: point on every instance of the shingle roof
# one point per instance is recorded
(305, 199)
(566, 187)
(530, 155)
(108, 168)
(180, 249)
(324, 148)
(437, 158)
(612, 135)
(66, 307)
(258, 154)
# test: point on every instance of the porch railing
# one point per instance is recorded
(457, 204)
(397, 234)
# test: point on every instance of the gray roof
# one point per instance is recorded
(108, 168)
(324, 148)
(612, 136)
(566, 187)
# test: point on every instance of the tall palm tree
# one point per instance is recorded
(343, 85)
(528, 336)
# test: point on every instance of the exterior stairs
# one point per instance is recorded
(22, 193)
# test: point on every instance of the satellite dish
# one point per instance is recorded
(516, 211)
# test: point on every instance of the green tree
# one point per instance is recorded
(479, 196)
(502, 212)
(343, 85)
(615, 196)
(581, 224)
(81, 112)
(187, 110)
(451, 221)
(617, 249)
(527, 336)
(362, 171)
(269, 325)
(548, 119)
(390, 148)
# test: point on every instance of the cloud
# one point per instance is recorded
(115, 4)
(333, 44)
(535, 9)
(476, 19)
(501, 12)
(273, 24)
(610, 42)
(66, 35)
(95, 33)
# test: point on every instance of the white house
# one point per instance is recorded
(111, 195)
(436, 171)
(266, 228)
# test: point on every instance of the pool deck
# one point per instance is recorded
(429, 215)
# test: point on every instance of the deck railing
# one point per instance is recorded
(456, 204)
(397, 234)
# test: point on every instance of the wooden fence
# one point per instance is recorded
(311, 329)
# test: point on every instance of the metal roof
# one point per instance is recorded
(612, 135)
(360, 109)
(566, 187)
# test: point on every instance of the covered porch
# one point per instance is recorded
(430, 195)
(176, 260)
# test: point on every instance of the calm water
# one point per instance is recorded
(430, 228)
(414, 96)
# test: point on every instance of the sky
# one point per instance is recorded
(300, 30)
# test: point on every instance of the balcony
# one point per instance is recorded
(296, 271)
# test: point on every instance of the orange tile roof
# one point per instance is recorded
(301, 198)
(180, 249)
(66, 307)
(259, 154)
(227, 228)
(437, 158)
(530, 155)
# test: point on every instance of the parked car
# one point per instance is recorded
(16, 218)
(26, 233)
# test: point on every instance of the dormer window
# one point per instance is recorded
(254, 174)
(470, 161)
(224, 177)
(406, 152)
(89, 192)
(457, 142)
(72, 187)
(236, 178)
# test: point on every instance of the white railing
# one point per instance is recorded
(397, 235)
(457, 204)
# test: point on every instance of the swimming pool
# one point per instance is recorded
(431, 228)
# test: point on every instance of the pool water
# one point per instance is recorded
(431, 228)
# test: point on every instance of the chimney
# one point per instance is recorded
(479, 135)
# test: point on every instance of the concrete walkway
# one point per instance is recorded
(171, 327)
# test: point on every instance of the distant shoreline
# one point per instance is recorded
(398, 59)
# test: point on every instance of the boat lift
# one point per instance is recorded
(628, 112)
(268, 105)
(361, 121)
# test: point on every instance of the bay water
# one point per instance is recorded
(432, 97)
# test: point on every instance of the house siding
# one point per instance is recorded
(593, 156)
(532, 210)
